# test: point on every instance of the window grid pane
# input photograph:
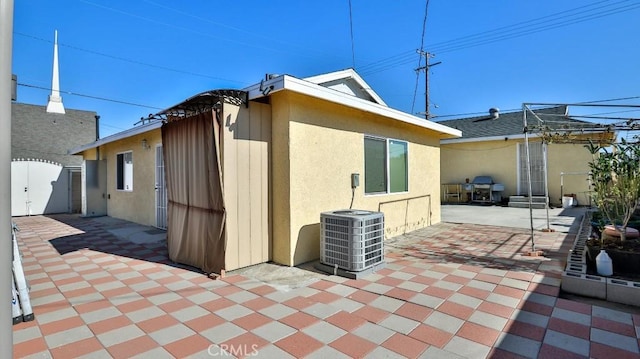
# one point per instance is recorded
(375, 165)
(398, 166)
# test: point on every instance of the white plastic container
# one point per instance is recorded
(567, 202)
(603, 264)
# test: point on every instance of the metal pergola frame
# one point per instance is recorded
(570, 131)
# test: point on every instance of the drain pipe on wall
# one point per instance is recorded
(6, 246)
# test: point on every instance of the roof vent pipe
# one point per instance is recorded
(494, 112)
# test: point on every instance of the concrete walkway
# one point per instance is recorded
(448, 291)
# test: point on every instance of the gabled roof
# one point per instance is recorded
(509, 124)
(312, 89)
(347, 81)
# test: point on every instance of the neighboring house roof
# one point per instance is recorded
(510, 124)
(36, 134)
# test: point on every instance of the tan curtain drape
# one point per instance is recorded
(195, 213)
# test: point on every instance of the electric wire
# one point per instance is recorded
(507, 32)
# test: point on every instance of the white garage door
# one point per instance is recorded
(38, 187)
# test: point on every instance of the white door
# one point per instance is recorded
(161, 190)
(537, 161)
(38, 187)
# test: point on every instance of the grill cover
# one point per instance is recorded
(482, 180)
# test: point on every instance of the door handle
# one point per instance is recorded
(25, 189)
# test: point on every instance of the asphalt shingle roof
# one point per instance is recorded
(509, 123)
(37, 134)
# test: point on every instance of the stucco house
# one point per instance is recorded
(494, 145)
(260, 164)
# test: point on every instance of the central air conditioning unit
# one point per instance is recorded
(352, 239)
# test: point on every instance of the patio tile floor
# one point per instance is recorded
(450, 290)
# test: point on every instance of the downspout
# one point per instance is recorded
(97, 136)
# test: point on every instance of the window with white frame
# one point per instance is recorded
(124, 171)
(386, 165)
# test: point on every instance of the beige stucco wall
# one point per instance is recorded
(137, 205)
(317, 145)
(499, 159)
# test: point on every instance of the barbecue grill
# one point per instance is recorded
(484, 190)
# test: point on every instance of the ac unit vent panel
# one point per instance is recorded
(352, 239)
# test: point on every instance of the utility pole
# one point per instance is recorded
(426, 67)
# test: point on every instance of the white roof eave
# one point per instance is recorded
(286, 82)
(117, 136)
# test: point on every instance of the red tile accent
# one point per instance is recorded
(299, 344)
(363, 297)
(536, 308)
(345, 320)
(390, 281)
(135, 305)
(110, 324)
(573, 329)
(357, 283)
(92, 306)
(258, 303)
(423, 280)
(105, 279)
(372, 314)
(322, 285)
(488, 278)
(544, 289)
(116, 292)
(234, 279)
(76, 349)
(438, 292)
(456, 279)
(80, 292)
(298, 303)
(520, 275)
(59, 282)
(324, 297)
(508, 291)
(252, 321)
(414, 311)
(176, 305)
(456, 310)
(478, 333)
(299, 320)
(524, 330)
(400, 293)
(353, 345)
(411, 270)
(573, 306)
(442, 269)
(227, 290)
(217, 304)
(601, 351)
(204, 322)
(497, 353)
(262, 290)
(185, 347)
(245, 344)
(43, 292)
(550, 352)
(405, 346)
(168, 280)
(430, 335)
(474, 292)
(612, 326)
(29, 347)
(157, 323)
(132, 347)
(496, 309)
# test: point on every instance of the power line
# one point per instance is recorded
(130, 60)
(499, 34)
(92, 97)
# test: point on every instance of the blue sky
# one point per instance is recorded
(494, 53)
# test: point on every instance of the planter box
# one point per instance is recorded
(584, 284)
(623, 291)
(624, 263)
